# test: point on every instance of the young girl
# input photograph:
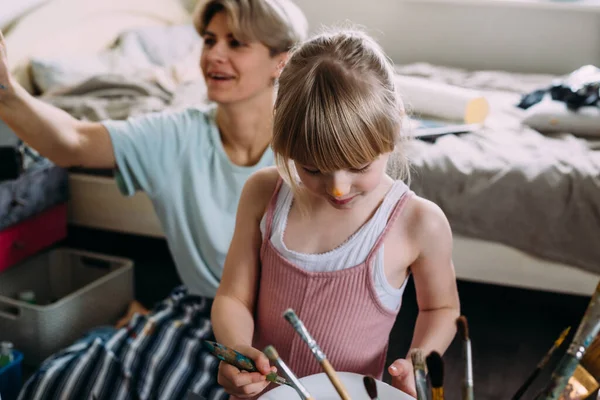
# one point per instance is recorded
(329, 233)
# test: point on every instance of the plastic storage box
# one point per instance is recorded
(10, 378)
(75, 291)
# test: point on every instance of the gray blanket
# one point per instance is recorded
(508, 183)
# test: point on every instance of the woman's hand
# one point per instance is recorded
(244, 384)
(403, 376)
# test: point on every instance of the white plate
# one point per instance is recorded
(321, 388)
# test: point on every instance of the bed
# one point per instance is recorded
(523, 206)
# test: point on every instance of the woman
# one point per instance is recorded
(193, 165)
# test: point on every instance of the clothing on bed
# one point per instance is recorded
(178, 159)
(159, 356)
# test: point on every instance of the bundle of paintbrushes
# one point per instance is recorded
(544, 361)
(430, 370)
(559, 386)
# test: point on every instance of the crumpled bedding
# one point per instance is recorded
(508, 183)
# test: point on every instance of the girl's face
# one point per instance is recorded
(235, 71)
(346, 188)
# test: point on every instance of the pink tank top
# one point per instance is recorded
(341, 310)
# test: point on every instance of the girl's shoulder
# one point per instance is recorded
(424, 222)
(260, 188)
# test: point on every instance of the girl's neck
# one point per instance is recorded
(246, 128)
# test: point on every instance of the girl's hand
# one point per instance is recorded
(244, 384)
(403, 376)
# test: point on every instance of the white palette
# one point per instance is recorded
(321, 388)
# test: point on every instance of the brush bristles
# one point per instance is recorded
(418, 358)
(435, 366)
(370, 386)
(271, 353)
(289, 314)
(463, 327)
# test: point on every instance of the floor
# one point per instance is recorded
(511, 329)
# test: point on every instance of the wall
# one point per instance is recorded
(471, 36)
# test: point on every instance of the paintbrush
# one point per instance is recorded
(370, 387)
(239, 360)
(467, 384)
(585, 334)
(534, 374)
(435, 366)
(299, 327)
(295, 382)
(418, 361)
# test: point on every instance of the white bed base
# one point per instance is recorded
(96, 202)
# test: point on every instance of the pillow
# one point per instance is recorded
(551, 116)
(146, 52)
(69, 27)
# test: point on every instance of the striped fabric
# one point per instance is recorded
(158, 356)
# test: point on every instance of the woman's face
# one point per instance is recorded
(235, 71)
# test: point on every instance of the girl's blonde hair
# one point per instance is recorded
(278, 24)
(337, 107)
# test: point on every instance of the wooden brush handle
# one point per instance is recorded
(437, 393)
(335, 380)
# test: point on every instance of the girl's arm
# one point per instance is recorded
(435, 284)
(435, 281)
(233, 307)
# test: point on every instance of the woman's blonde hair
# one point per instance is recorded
(278, 24)
(337, 107)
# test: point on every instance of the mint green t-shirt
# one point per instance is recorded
(178, 159)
